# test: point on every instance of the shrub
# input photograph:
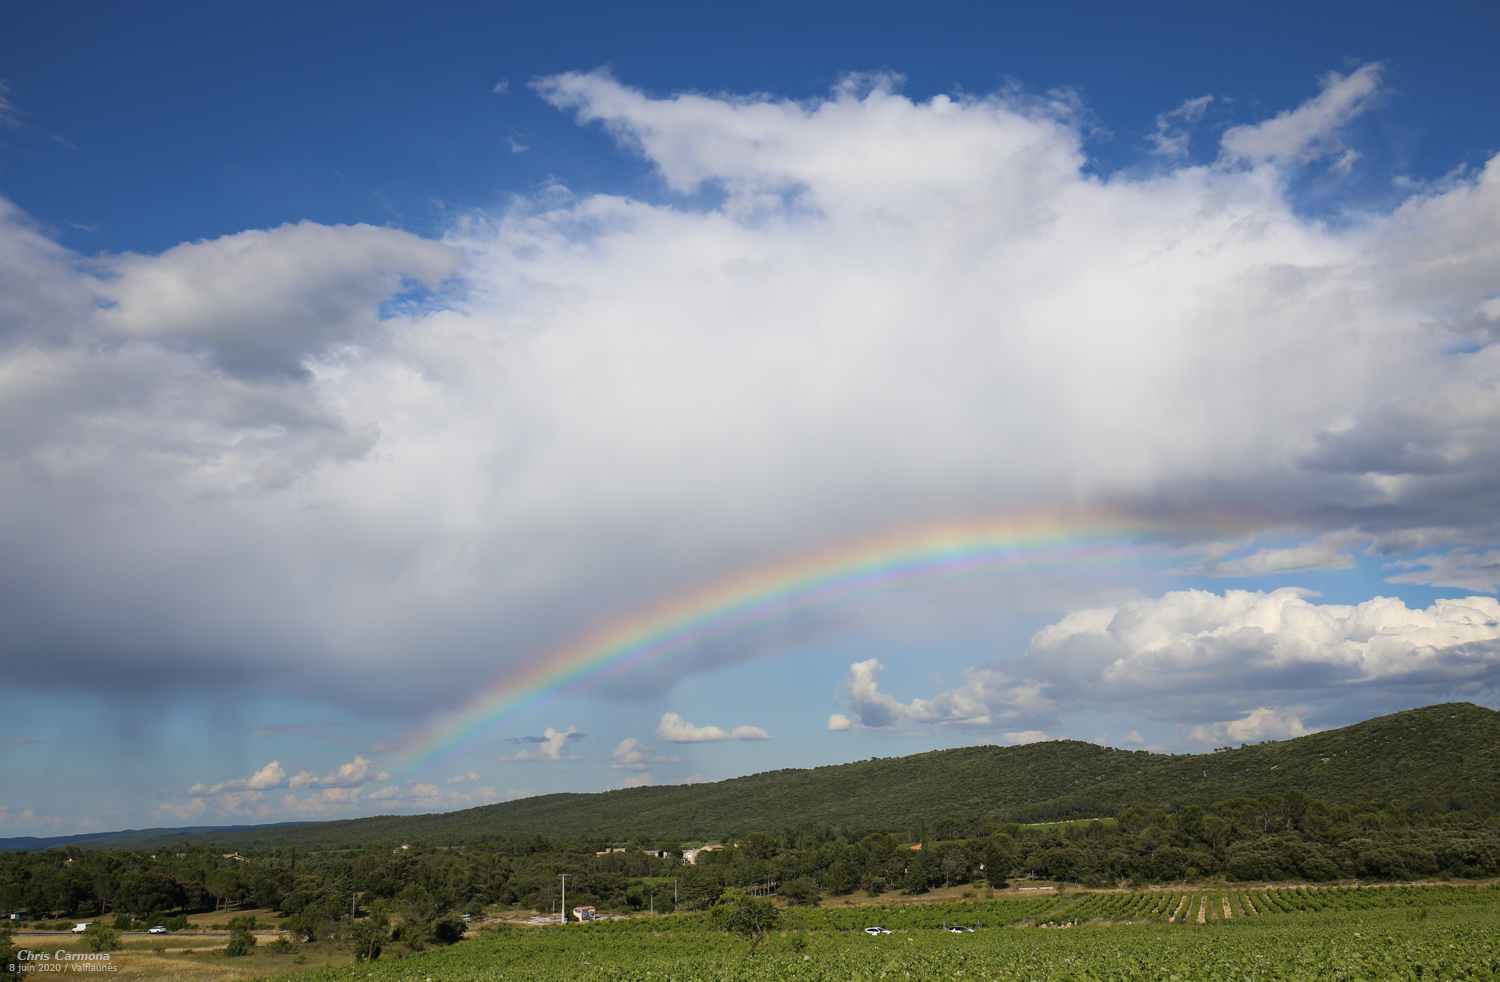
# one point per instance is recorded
(101, 938)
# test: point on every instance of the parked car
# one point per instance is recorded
(158, 929)
(872, 931)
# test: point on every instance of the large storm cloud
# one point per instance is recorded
(317, 450)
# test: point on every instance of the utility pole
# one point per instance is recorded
(564, 878)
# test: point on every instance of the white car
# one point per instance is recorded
(872, 931)
(80, 928)
(156, 930)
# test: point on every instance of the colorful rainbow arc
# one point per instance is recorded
(674, 628)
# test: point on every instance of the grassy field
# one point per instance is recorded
(1377, 934)
(181, 956)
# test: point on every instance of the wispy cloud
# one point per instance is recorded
(9, 115)
(1326, 552)
(1312, 129)
(1462, 568)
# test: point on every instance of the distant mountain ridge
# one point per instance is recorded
(1446, 752)
(26, 843)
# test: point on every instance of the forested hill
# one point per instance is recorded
(1440, 751)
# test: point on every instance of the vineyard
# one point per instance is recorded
(1259, 934)
(1203, 906)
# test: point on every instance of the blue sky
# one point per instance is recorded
(356, 358)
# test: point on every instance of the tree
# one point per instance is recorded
(750, 917)
(798, 892)
(10, 964)
(105, 887)
(225, 885)
(955, 865)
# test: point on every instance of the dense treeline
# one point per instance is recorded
(1277, 836)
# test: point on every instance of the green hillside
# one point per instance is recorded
(1440, 751)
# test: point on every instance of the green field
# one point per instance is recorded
(1368, 933)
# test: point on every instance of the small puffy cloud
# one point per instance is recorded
(1311, 130)
(467, 778)
(637, 781)
(273, 775)
(500, 87)
(1265, 723)
(1026, 736)
(631, 754)
(551, 747)
(1461, 568)
(838, 722)
(357, 772)
(674, 729)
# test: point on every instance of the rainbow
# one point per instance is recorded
(676, 626)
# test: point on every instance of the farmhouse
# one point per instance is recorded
(691, 855)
